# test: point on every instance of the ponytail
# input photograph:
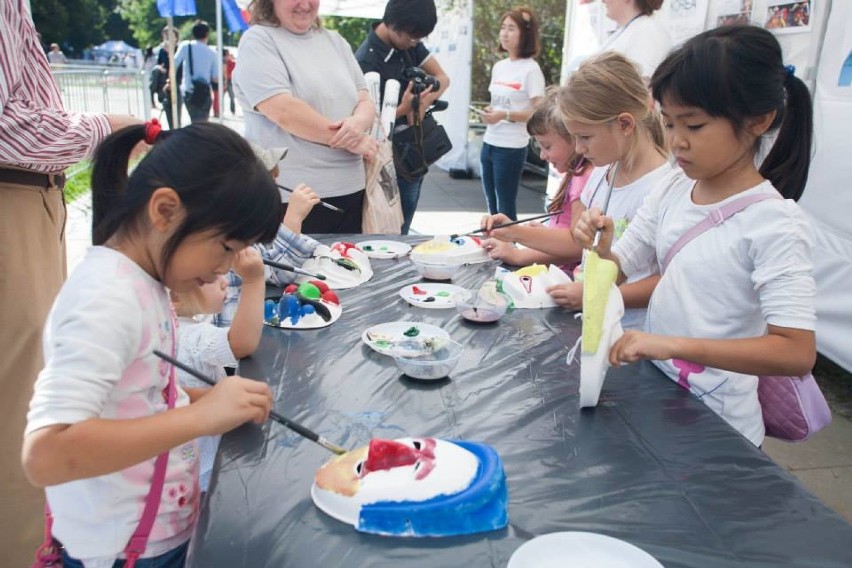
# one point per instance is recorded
(109, 180)
(789, 160)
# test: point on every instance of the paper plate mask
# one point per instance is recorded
(415, 487)
(603, 307)
(527, 287)
(343, 264)
(443, 250)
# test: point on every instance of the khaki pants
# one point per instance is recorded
(32, 269)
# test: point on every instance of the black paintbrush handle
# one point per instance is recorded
(323, 203)
(289, 268)
(519, 221)
(294, 426)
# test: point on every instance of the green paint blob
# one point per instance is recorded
(411, 332)
(308, 290)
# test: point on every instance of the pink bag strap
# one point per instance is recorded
(48, 554)
(714, 218)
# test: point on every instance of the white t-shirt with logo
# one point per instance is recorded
(513, 86)
(730, 282)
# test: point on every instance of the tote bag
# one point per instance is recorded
(382, 213)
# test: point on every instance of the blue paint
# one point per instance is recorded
(483, 506)
(270, 310)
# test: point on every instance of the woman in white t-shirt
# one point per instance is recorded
(517, 84)
(638, 36)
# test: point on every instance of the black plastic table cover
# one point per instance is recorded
(650, 464)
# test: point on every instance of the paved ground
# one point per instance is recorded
(823, 464)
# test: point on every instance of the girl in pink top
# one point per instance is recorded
(104, 406)
(557, 147)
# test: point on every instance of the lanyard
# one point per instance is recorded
(617, 33)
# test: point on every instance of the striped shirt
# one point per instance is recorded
(36, 132)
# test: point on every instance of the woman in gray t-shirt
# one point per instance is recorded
(301, 88)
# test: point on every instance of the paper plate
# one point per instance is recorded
(433, 296)
(389, 338)
(384, 249)
(311, 323)
(575, 549)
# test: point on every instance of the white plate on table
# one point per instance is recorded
(309, 323)
(388, 338)
(434, 296)
(580, 550)
(384, 249)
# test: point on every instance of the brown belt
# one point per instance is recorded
(32, 179)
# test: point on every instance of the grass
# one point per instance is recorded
(79, 181)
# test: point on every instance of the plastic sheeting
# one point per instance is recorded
(650, 465)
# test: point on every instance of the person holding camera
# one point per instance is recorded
(393, 49)
(201, 63)
(517, 85)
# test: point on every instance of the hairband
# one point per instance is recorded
(152, 131)
(790, 69)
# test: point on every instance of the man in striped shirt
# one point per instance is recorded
(38, 140)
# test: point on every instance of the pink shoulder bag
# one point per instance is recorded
(48, 554)
(793, 407)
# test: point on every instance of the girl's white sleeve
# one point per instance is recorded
(204, 347)
(90, 338)
(780, 244)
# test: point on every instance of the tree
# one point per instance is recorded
(73, 24)
(486, 28)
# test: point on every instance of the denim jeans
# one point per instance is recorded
(501, 174)
(409, 195)
(175, 558)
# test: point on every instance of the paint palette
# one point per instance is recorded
(580, 549)
(402, 337)
(433, 296)
(384, 249)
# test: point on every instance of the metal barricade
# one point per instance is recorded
(104, 89)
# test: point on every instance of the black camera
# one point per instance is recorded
(420, 80)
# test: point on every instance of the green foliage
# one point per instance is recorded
(353, 30)
(486, 28)
(73, 24)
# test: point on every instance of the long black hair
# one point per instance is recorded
(221, 184)
(737, 73)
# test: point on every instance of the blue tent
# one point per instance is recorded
(113, 47)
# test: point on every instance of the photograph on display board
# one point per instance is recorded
(783, 16)
(732, 12)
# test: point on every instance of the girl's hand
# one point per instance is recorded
(498, 250)
(233, 402)
(248, 265)
(567, 295)
(636, 345)
(588, 224)
(347, 132)
(302, 200)
(489, 221)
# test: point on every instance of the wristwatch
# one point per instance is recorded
(508, 118)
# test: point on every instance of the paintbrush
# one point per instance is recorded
(599, 232)
(288, 268)
(508, 224)
(294, 426)
(323, 203)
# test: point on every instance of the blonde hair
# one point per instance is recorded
(605, 86)
(188, 304)
(545, 120)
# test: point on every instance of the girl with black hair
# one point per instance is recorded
(737, 300)
(106, 411)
